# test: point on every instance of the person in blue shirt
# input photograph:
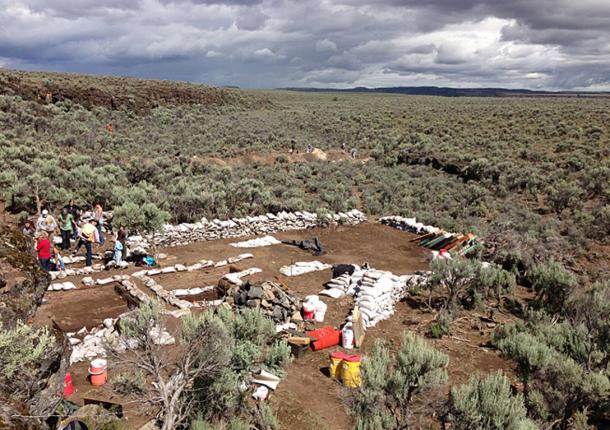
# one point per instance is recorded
(119, 246)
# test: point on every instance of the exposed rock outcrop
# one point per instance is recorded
(22, 287)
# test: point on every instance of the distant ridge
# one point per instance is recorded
(456, 92)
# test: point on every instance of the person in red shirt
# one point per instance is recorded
(43, 249)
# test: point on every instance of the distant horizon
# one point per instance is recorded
(314, 88)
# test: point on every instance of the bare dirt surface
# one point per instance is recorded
(308, 398)
(279, 157)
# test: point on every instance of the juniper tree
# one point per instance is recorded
(146, 218)
(390, 383)
(204, 353)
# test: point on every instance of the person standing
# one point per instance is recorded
(75, 211)
(66, 226)
(88, 236)
(46, 223)
(43, 250)
(98, 216)
(119, 246)
(122, 234)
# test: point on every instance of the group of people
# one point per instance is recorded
(86, 229)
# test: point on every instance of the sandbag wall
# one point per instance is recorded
(182, 234)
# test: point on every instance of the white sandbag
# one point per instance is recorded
(303, 267)
(335, 293)
(256, 243)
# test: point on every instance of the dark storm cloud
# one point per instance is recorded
(552, 44)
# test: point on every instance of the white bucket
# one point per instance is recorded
(347, 336)
(320, 307)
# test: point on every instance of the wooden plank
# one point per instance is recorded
(358, 327)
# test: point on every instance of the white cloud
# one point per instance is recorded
(325, 45)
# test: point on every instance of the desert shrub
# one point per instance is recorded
(564, 363)
(21, 350)
(456, 277)
(390, 384)
(278, 358)
(129, 383)
(493, 282)
(487, 404)
(267, 419)
(552, 284)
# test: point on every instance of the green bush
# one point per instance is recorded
(487, 404)
(390, 384)
(22, 348)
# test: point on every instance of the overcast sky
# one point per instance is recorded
(547, 44)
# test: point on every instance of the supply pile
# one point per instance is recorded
(433, 237)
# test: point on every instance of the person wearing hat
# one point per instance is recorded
(87, 236)
(46, 223)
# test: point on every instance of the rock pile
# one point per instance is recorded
(164, 294)
(277, 303)
(87, 345)
(205, 230)
(96, 268)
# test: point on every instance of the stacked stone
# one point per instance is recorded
(408, 224)
(183, 234)
(164, 294)
(137, 294)
(275, 302)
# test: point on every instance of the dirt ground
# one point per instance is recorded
(307, 398)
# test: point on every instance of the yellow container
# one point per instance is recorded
(336, 360)
(351, 371)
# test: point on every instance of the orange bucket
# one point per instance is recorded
(98, 372)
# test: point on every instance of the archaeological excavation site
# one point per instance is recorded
(175, 256)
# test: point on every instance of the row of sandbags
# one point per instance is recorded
(376, 292)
